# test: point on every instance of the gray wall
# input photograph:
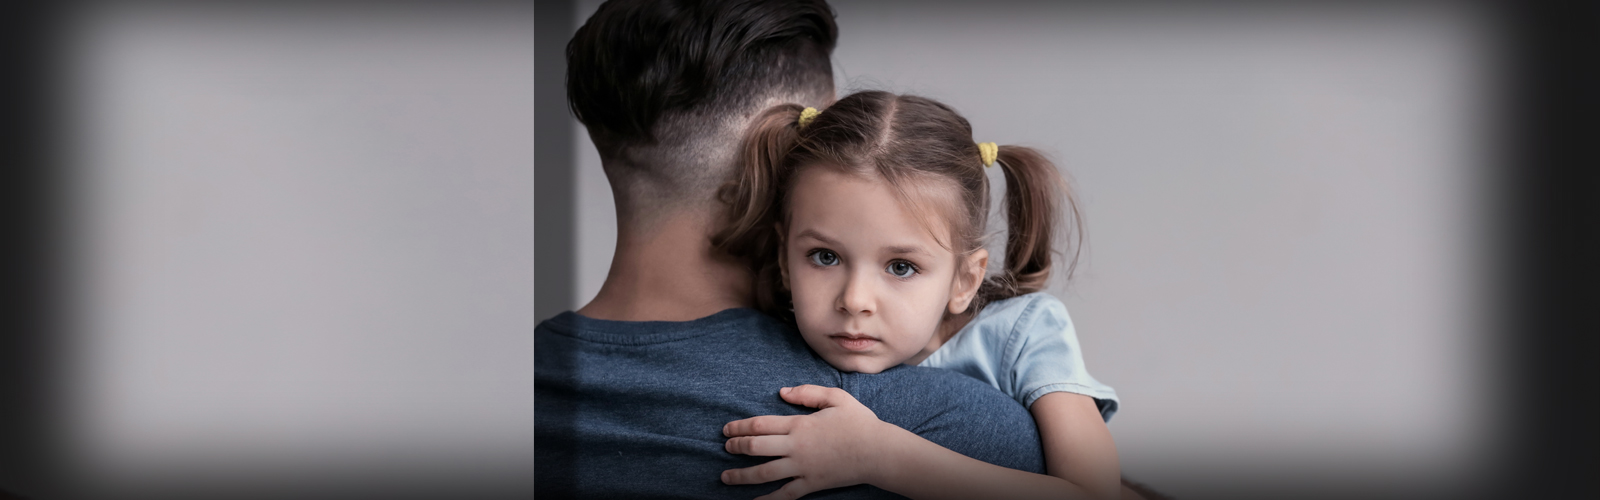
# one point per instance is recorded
(304, 248)
(1286, 218)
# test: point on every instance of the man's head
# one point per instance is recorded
(665, 87)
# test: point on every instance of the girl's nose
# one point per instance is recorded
(858, 297)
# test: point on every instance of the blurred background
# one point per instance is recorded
(300, 248)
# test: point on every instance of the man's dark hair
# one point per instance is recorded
(636, 61)
(659, 83)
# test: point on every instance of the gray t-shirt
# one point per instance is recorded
(636, 409)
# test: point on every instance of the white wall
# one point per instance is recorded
(1284, 209)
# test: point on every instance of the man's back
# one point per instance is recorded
(626, 409)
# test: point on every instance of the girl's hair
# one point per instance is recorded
(905, 140)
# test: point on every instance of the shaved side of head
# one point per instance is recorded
(666, 87)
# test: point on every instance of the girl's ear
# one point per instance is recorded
(783, 254)
(967, 280)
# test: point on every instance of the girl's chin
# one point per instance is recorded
(858, 365)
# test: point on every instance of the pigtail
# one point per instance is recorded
(751, 201)
(1035, 195)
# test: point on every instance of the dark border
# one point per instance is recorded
(28, 52)
(1553, 134)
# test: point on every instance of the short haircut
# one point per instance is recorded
(672, 76)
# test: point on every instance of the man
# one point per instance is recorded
(633, 389)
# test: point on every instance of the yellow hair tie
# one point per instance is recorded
(989, 152)
(806, 115)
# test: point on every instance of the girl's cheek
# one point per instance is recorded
(807, 290)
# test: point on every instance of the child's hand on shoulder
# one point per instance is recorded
(842, 444)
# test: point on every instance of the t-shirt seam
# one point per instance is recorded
(1109, 396)
(1014, 351)
(1088, 390)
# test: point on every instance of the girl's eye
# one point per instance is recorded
(824, 258)
(901, 269)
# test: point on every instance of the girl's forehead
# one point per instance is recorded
(869, 200)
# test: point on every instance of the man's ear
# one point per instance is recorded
(969, 276)
(783, 254)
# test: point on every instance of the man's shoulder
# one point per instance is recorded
(641, 405)
(955, 411)
(919, 397)
(912, 375)
(730, 350)
(729, 322)
(929, 386)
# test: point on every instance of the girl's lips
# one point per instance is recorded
(854, 343)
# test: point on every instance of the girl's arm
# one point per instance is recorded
(1077, 445)
(844, 444)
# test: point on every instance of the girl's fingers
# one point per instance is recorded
(764, 473)
(760, 426)
(797, 488)
(760, 446)
(816, 396)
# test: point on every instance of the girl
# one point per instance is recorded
(865, 224)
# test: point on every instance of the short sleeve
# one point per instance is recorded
(1046, 357)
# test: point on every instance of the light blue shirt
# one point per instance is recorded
(1026, 347)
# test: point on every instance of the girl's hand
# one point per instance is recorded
(841, 445)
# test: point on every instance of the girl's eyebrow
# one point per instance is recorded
(906, 250)
(895, 250)
(817, 236)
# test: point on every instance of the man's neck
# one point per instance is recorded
(669, 272)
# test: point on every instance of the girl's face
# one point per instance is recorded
(870, 283)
